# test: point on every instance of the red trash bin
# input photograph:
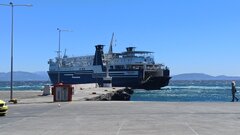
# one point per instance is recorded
(62, 92)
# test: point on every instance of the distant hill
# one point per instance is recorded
(43, 74)
(24, 76)
(202, 76)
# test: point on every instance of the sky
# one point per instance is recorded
(188, 36)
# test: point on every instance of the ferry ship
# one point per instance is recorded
(131, 68)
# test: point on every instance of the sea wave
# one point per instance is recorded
(23, 85)
(189, 91)
(198, 87)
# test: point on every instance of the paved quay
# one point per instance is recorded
(39, 115)
(80, 94)
(122, 118)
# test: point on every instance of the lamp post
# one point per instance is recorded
(11, 80)
(59, 50)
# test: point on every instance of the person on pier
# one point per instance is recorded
(234, 91)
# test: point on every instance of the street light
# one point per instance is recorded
(11, 81)
(59, 49)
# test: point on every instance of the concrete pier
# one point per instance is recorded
(96, 94)
(122, 118)
(87, 92)
(39, 115)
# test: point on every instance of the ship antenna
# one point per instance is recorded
(65, 51)
(110, 51)
(109, 56)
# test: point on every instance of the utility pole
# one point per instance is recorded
(11, 80)
(59, 50)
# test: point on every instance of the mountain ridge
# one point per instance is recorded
(24, 76)
(203, 76)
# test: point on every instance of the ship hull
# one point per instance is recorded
(155, 83)
(118, 80)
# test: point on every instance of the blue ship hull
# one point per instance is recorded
(118, 79)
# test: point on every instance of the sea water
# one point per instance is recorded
(23, 85)
(177, 91)
(190, 91)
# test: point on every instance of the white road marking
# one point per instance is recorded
(195, 132)
(119, 129)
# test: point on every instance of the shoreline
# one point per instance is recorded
(37, 94)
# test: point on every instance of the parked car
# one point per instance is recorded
(3, 108)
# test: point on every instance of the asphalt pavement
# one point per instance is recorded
(121, 118)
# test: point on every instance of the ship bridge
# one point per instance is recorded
(132, 59)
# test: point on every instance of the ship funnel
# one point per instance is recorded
(98, 55)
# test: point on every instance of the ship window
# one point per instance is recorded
(129, 67)
(137, 67)
(119, 66)
(81, 68)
